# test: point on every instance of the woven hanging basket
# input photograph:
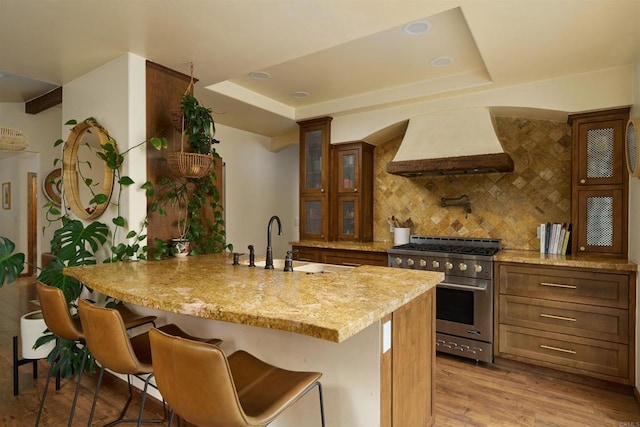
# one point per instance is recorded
(12, 139)
(189, 165)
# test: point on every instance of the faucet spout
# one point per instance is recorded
(269, 262)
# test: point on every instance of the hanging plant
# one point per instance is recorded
(197, 130)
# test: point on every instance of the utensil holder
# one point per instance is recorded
(401, 235)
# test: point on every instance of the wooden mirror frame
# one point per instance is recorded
(70, 173)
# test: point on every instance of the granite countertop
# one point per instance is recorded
(348, 246)
(329, 306)
(595, 262)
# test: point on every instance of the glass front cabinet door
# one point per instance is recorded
(353, 191)
(315, 139)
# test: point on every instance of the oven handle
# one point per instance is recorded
(482, 287)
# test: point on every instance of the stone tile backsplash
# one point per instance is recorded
(504, 206)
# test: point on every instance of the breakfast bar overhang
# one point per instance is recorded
(369, 330)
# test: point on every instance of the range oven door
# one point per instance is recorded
(464, 308)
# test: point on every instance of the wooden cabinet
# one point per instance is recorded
(407, 366)
(347, 257)
(600, 183)
(315, 139)
(572, 319)
(353, 258)
(336, 186)
(352, 192)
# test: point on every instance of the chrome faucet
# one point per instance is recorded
(269, 263)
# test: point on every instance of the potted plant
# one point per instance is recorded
(198, 123)
(174, 195)
(197, 129)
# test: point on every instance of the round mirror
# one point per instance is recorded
(86, 178)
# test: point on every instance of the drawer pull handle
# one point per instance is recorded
(551, 316)
(563, 350)
(558, 285)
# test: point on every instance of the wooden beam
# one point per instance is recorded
(41, 103)
(482, 163)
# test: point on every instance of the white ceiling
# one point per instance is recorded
(349, 55)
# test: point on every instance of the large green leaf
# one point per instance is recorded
(52, 275)
(11, 265)
(72, 242)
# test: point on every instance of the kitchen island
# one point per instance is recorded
(369, 330)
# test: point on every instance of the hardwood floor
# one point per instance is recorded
(466, 394)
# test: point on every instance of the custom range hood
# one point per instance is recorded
(451, 142)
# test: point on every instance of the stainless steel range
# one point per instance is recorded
(464, 300)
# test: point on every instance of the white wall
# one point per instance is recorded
(258, 184)
(42, 130)
(114, 94)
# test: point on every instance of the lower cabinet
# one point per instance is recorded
(407, 366)
(348, 257)
(567, 318)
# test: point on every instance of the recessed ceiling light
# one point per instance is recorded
(300, 94)
(441, 61)
(260, 75)
(417, 27)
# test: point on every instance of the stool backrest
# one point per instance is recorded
(107, 338)
(56, 313)
(195, 380)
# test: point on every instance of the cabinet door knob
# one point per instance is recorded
(355, 190)
(322, 190)
(582, 248)
(582, 181)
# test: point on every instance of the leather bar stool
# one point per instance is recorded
(64, 326)
(113, 349)
(208, 389)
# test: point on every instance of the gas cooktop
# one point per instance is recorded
(451, 245)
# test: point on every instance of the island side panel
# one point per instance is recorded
(413, 363)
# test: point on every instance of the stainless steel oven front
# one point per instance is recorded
(464, 317)
(464, 299)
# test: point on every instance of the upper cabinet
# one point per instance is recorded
(336, 186)
(315, 140)
(600, 183)
(352, 198)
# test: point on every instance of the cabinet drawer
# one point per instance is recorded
(574, 354)
(580, 286)
(302, 253)
(354, 258)
(603, 323)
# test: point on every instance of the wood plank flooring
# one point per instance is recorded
(466, 394)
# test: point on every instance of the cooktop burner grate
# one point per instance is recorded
(452, 249)
(450, 245)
